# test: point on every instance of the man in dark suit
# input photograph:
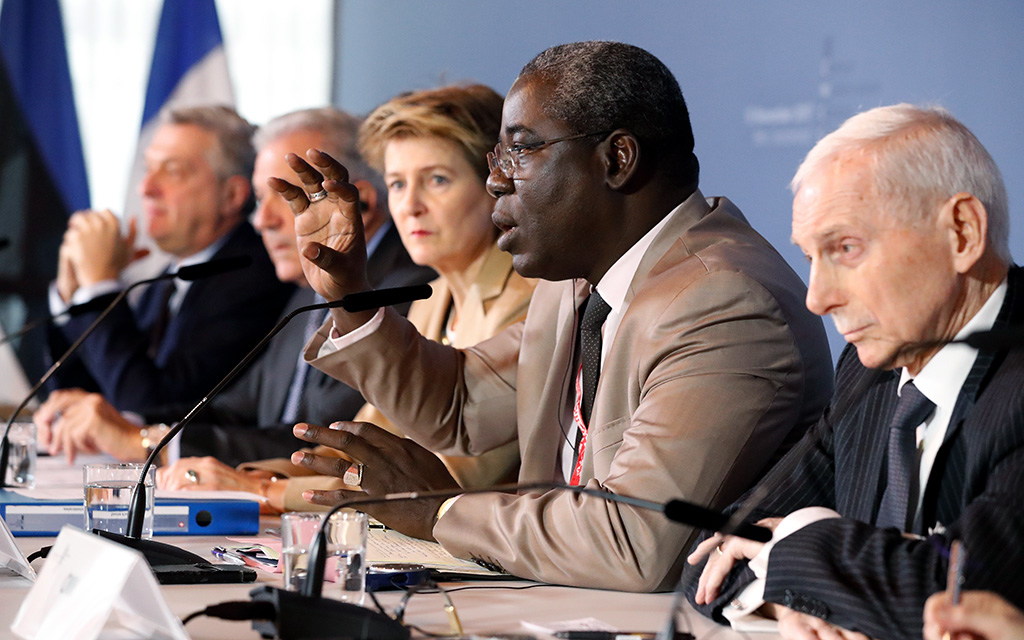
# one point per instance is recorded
(278, 389)
(180, 337)
(903, 216)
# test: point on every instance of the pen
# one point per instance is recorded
(236, 558)
(615, 635)
(955, 574)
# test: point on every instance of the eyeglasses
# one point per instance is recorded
(508, 160)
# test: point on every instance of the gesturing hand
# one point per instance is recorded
(390, 464)
(329, 229)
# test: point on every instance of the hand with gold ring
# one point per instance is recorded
(208, 474)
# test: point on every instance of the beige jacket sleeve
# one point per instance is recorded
(703, 382)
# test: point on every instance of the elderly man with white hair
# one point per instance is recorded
(903, 216)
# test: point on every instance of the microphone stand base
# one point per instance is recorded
(172, 565)
(300, 617)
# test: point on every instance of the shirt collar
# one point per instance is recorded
(614, 284)
(941, 379)
(377, 238)
(203, 255)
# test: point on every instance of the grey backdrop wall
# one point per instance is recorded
(763, 79)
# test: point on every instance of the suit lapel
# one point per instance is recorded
(942, 496)
(540, 447)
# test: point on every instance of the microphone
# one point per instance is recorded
(157, 553)
(309, 615)
(209, 268)
(73, 311)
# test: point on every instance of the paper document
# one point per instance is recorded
(386, 545)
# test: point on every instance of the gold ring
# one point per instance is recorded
(192, 476)
(318, 196)
(719, 550)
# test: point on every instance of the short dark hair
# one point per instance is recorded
(601, 86)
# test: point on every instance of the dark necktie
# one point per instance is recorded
(590, 349)
(162, 298)
(911, 410)
(296, 391)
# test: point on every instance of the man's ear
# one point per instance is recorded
(968, 228)
(235, 191)
(367, 196)
(622, 158)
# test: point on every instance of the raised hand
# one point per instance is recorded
(328, 224)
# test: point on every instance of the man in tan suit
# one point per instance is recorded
(709, 365)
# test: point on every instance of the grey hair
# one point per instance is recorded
(602, 86)
(340, 131)
(920, 157)
(235, 154)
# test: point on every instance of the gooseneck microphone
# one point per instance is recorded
(307, 615)
(71, 312)
(159, 554)
(189, 273)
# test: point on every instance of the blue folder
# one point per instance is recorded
(171, 516)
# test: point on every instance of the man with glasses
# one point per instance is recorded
(669, 355)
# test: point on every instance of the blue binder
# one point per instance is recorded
(171, 516)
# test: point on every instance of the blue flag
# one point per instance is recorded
(32, 48)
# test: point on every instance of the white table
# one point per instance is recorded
(492, 608)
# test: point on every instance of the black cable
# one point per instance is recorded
(235, 610)
(519, 588)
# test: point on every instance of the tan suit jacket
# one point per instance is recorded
(497, 298)
(715, 367)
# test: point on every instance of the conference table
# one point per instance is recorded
(483, 607)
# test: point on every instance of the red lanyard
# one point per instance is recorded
(577, 416)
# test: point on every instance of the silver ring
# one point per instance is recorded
(353, 475)
(192, 476)
(719, 550)
(318, 196)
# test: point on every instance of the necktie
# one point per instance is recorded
(594, 310)
(590, 348)
(290, 413)
(162, 298)
(901, 478)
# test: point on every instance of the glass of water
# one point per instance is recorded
(108, 493)
(346, 551)
(21, 457)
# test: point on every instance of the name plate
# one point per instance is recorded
(90, 586)
(11, 557)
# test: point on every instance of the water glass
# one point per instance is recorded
(21, 455)
(346, 551)
(108, 492)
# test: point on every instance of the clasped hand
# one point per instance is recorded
(391, 464)
(93, 250)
